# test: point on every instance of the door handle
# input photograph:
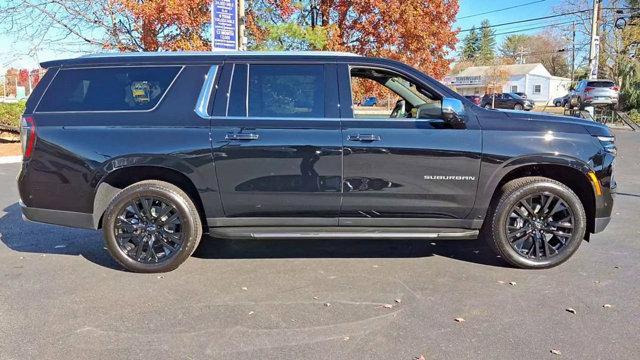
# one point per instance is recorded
(242, 136)
(364, 137)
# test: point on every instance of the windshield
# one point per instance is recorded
(515, 96)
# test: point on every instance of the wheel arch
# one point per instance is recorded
(569, 171)
(122, 177)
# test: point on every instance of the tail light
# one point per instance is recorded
(27, 136)
(589, 88)
(615, 88)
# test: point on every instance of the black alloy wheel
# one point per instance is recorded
(151, 226)
(540, 225)
(148, 230)
(535, 222)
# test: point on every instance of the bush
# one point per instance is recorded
(10, 113)
(634, 114)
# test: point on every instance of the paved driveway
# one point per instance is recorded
(62, 297)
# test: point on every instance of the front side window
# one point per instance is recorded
(286, 91)
(395, 96)
(108, 89)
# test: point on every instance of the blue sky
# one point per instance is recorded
(9, 47)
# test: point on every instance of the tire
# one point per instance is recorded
(487, 106)
(501, 219)
(518, 107)
(174, 235)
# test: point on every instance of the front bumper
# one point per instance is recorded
(57, 217)
(600, 224)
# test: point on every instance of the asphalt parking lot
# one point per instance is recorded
(62, 297)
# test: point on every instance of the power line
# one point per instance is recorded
(503, 9)
(532, 28)
(529, 20)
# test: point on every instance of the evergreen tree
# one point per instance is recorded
(470, 45)
(487, 44)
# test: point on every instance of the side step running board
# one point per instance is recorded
(341, 233)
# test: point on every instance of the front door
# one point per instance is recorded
(402, 163)
(276, 142)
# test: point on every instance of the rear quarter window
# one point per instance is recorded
(131, 88)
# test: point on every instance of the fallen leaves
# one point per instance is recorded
(571, 310)
(556, 352)
(513, 283)
(459, 319)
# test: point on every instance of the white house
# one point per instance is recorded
(531, 79)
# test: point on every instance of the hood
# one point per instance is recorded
(594, 128)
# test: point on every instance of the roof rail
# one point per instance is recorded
(219, 53)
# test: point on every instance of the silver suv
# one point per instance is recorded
(595, 93)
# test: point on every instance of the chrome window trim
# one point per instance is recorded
(205, 93)
(35, 111)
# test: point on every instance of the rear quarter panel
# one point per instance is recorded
(74, 152)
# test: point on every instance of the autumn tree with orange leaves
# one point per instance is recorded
(123, 25)
(417, 32)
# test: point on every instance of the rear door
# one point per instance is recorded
(402, 163)
(276, 142)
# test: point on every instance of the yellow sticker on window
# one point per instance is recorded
(140, 90)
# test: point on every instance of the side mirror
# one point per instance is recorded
(453, 112)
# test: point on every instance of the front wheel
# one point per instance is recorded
(518, 107)
(535, 223)
(151, 226)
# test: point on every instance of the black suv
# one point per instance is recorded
(157, 149)
(506, 101)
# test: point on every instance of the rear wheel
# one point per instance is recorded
(151, 226)
(535, 223)
(518, 107)
(487, 106)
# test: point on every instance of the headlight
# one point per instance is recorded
(608, 143)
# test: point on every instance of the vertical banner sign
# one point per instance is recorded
(224, 25)
(596, 59)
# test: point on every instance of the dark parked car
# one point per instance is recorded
(506, 101)
(157, 149)
(476, 99)
(561, 101)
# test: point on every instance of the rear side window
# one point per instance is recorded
(286, 91)
(108, 89)
(601, 84)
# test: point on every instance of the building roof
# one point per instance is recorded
(515, 69)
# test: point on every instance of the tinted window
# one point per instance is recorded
(108, 89)
(286, 90)
(601, 84)
(238, 95)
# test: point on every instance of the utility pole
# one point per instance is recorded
(595, 41)
(242, 39)
(573, 52)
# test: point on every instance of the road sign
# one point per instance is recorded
(224, 25)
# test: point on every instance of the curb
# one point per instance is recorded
(10, 159)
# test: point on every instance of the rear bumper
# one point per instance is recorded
(57, 217)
